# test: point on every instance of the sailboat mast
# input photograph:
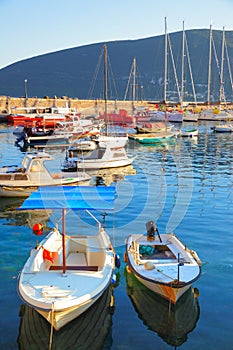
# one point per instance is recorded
(165, 62)
(134, 82)
(105, 80)
(209, 69)
(182, 68)
(222, 93)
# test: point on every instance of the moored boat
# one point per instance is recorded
(109, 152)
(157, 137)
(20, 181)
(226, 127)
(88, 330)
(189, 132)
(172, 323)
(66, 274)
(162, 263)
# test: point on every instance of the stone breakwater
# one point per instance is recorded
(8, 104)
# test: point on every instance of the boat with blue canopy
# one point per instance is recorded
(67, 273)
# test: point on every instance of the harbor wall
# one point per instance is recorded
(8, 104)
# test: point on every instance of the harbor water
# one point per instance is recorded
(185, 186)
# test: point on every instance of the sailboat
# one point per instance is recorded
(217, 114)
(66, 274)
(110, 149)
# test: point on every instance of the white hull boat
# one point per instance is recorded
(223, 128)
(88, 330)
(109, 153)
(66, 274)
(189, 132)
(21, 181)
(162, 263)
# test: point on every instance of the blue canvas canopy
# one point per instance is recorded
(71, 197)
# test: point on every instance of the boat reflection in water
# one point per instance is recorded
(171, 322)
(108, 176)
(91, 330)
(27, 218)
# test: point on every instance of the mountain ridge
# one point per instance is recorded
(70, 71)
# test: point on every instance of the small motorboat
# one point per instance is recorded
(68, 272)
(153, 138)
(38, 136)
(20, 181)
(222, 128)
(109, 152)
(162, 262)
(189, 132)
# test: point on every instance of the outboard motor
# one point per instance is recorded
(151, 229)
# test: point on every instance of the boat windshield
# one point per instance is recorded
(25, 162)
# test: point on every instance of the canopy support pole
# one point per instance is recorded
(63, 240)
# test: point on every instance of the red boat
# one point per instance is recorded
(121, 118)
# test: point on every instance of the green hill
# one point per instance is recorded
(73, 72)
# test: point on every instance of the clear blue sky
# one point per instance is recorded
(33, 27)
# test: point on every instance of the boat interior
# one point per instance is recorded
(82, 253)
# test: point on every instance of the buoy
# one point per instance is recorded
(37, 229)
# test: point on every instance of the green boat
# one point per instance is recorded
(150, 138)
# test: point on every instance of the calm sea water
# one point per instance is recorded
(186, 187)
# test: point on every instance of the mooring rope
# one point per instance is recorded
(51, 329)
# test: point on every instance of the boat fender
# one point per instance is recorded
(113, 278)
(117, 261)
(37, 229)
(149, 265)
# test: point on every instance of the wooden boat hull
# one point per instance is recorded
(90, 328)
(62, 296)
(60, 318)
(169, 271)
(223, 128)
(165, 291)
(189, 133)
(171, 322)
(150, 138)
(98, 164)
(22, 181)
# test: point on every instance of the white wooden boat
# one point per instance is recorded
(85, 332)
(189, 132)
(153, 138)
(20, 181)
(227, 127)
(66, 274)
(162, 263)
(153, 127)
(110, 152)
(29, 136)
(172, 323)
